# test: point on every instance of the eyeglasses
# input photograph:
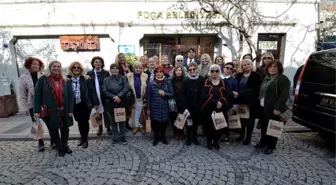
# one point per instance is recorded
(159, 71)
(267, 58)
(192, 69)
(229, 68)
(214, 71)
(114, 68)
(179, 60)
(76, 67)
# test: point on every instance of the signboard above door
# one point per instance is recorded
(79, 43)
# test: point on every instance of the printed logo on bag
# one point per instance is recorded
(218, 121)
(120, 113)
(275, 127)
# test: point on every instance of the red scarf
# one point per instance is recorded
(58, 90)
(159, 80)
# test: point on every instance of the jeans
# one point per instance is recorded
(137, 114)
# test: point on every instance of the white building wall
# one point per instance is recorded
(69, 17)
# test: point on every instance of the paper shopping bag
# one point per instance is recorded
(234, 121)
(181, 119)
(33, 131)
(274, 128)
(218, 120)
(119, 115)
(37, 129)
(148, 126)
(244, 111)
(95, 118)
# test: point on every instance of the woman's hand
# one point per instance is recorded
(235, 94)
(116, 99)
(162, 93)
(276, 112)
(219, 105)
(70, 114)
(148, 112)
(37, 115)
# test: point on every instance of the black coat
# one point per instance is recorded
(190, 94)
(250, 93)
(103, 74)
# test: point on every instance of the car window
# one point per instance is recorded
(321, 68)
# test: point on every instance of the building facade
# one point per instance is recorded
(77, 30)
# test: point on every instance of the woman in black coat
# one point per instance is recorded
(249, 87)
(215, 96)
(97, 76)
(85, 99)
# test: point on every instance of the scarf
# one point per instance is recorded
(193, 77)
(267, 81)
(76, 89)
(126, 69)
(159, 80)
(58, 89)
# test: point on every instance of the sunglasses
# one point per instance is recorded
(267, 58)
(159, 71)
(229, 68)
(180, 60)
(214, 71)
(192, 69)
(76, 67)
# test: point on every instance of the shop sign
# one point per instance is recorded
(126, 49)
(178, 15)
(79, 43)
(268, 45)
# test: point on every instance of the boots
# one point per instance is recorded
(41, 145)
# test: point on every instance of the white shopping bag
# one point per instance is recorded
(275, 128)
(244, 111)
(181, 119)
(95, 118)
(234, 121)
(37, 129)
(218, 120)
(119, 115)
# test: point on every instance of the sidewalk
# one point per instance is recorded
(18, 128)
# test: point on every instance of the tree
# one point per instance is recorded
(242, 16)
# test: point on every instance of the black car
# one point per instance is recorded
(315, 94)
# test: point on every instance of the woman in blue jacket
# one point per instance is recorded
(160, 90)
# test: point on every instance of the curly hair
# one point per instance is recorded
(99, 58)
(29, 61)
(278, 65)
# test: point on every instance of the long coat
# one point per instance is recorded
(88, 97)
(44, 91)
(276, 96)
(103, 74)
(26, 91)
(158, 106)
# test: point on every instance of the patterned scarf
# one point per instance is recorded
(76, 89)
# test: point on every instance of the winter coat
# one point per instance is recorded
(190, 94)
(26, 91)
(158, 106)
(103, 74)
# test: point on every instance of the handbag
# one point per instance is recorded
(44, 108)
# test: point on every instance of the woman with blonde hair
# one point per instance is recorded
(144, 61)
(122, 64)
(26, 93)
(204, 66)
(53, 102)
(138, 84)
(265, 59)
(85, 99)
(167, 66)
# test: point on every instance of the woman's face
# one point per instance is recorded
(35, 66)
(97, 64)
(138, 69)
(143, 61)
(56, 68)
(156, 59)
(165, 60)
(192, 71)
(247, 66)
(214, 73)
(151, 63)
(267, 59)
(178, 72)
(219, 60)
(114, 71)
(228, 70)
(122, 59)
(76, 70)
(179, 63)
(273, 70)
(159, 74)
(204, 60)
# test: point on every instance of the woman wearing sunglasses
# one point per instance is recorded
(190, 100)
(85, 99)
(215, 96)
(265, 59)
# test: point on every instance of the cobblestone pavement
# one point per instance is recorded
(300, 159)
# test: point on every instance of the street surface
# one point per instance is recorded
(300, 159)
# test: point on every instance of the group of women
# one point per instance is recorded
(147, 90)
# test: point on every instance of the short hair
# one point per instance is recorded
(114, 65)
(248, 54)
(249, 61)
(80, 66)
(178, 57)
(215, 66)
(221, 58)
(278, 64)
(99, 58)
(229, 64)
(137, 64)
(192, 64)
(157, 68)
(29, 61)
(192, 49)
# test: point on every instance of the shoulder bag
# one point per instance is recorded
(284, 116)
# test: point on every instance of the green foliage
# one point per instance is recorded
(131, 59)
